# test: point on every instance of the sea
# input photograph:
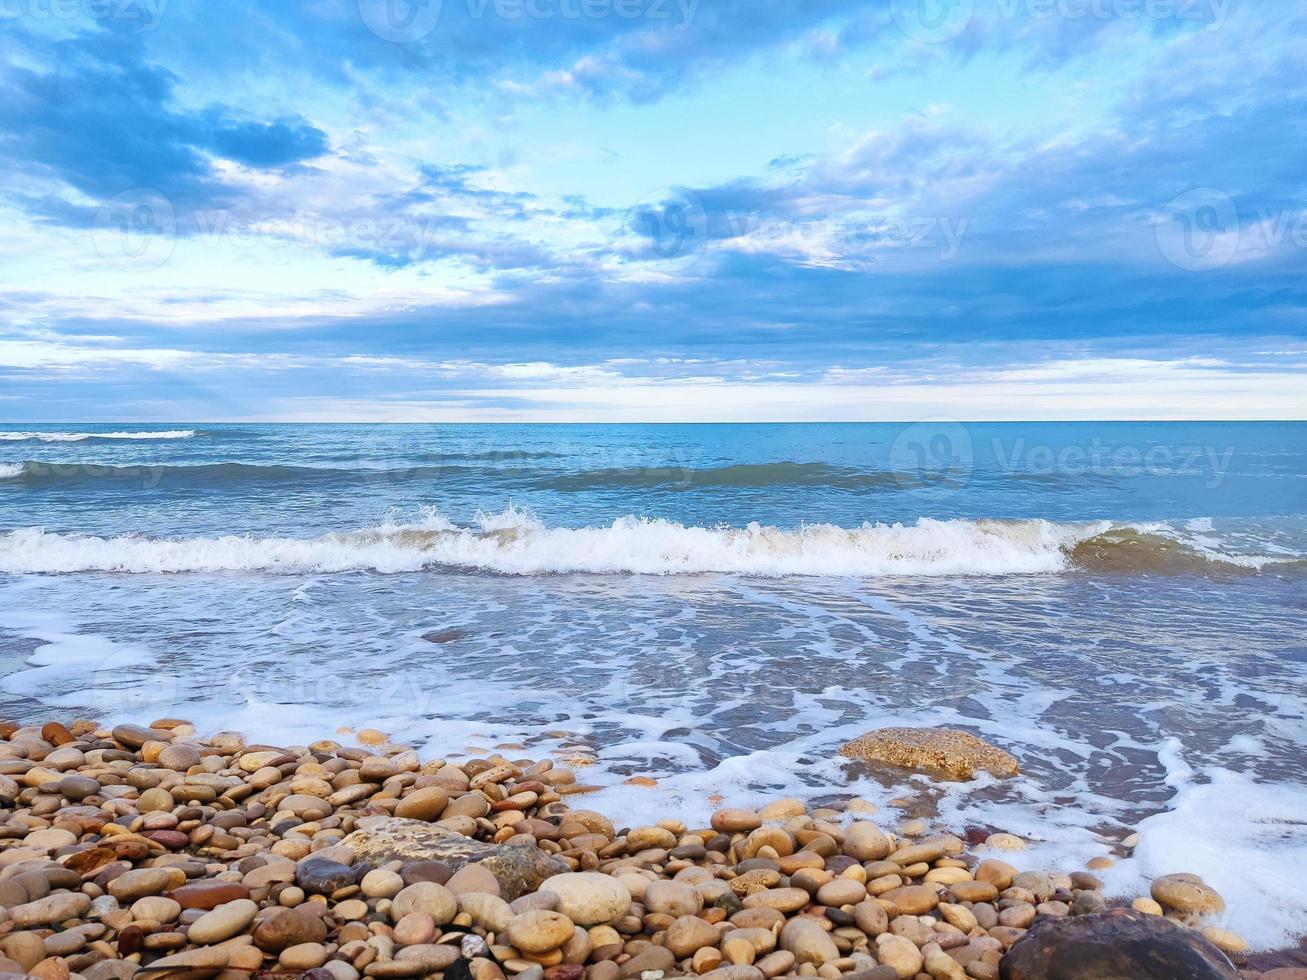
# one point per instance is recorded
(716, 608)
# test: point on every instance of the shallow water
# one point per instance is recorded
(1120, 606)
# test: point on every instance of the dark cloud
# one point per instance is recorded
(97, 116)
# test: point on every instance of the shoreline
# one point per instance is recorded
(121, 841)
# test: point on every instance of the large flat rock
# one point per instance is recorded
(519, 868)
(946, 751)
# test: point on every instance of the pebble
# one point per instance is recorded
(1005, 842)
(1186, 893)
(912, 899)
(651, 959)
(78, 787)
(672, 898)
(735, 821)
(866, 842)
(305, 956)
(473, 878)
(208, 894)
(156, 799)
(318, 875)
(223, 922)
(900, 954)
(131, 885)
(1224, 940)
(490, 912)
(589, 898)
(415, 928)
(49, 910)
(423, 804)
(429, 958)
(539, 931)
(689, 933)
(200, 855)
(157, 908)
(808, 941)
(435, 900)
(841, 891)
(381, 883)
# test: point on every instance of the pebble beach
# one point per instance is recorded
(155, 851)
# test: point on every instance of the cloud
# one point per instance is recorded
(97, 116)
(441, 208)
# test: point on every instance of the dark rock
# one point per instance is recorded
(443, 636)
(1112, 945)
(322, 876)
(658, 958)
(289, 928)
(840, 917)
(729, 901)
(837, 864)
(174, 840)
(415, 871)
(1087, 903)
(208, 894)
(78, 787)
(757, 864)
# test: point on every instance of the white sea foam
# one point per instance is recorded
(82, 436)
(10, 470)
(1245, 838)
(515, 543)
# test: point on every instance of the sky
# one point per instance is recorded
(652, 210)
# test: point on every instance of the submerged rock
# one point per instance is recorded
(959, 755)
(519, 868)
(1112, 945)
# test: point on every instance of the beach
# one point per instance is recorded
(713, 610)
(147, 850)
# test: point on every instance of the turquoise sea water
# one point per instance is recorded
(1121, 605)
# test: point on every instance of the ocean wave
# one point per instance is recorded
(475, 465)
(37, 473)
(515, 543)
(83, 436)
(735, 475)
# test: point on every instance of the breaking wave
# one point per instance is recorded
(516, 543)
(83, 436)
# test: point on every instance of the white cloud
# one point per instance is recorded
(1070, 390)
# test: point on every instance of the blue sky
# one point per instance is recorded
(652, 209)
